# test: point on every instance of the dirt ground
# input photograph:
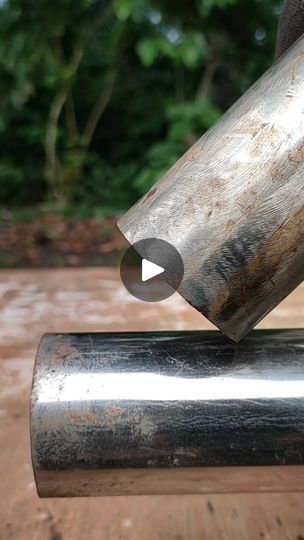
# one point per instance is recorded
(55, 241)
(35, 301)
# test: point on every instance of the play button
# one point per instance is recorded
(151, 270)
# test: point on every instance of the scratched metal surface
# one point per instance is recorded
(233, 205)
(168, 412)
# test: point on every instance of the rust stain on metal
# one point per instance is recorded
(294, 65)
(66, 352)
(63, 352)
(297, 155)
(261, 270)
(150, 194)
(85, 418)
(115, 411)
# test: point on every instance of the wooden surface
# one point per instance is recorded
(33, 302)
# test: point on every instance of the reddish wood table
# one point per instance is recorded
(36, 301)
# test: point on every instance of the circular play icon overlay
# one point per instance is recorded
(151, 270)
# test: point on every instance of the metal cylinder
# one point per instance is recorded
(173, 412)
(233, 205)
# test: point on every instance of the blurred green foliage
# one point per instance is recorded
(99, 98)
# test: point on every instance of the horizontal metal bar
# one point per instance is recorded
(173, 412)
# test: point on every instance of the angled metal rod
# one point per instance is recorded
(233, 205)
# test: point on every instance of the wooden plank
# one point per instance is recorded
(32, 302)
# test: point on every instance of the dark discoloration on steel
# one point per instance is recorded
(152, 481)
(233, 205)
(259, 266)
(168, 412)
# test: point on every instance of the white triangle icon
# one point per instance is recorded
(149, 270)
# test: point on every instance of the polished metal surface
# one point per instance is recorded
(174, 412)
(233, 205)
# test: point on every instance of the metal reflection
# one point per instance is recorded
(154, 387)
(168, 412)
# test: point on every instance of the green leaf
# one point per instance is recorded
(193, 50)
(147, 50)
(122, 9)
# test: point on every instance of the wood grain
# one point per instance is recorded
(33, 302)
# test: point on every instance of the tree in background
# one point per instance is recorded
(100, 98)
